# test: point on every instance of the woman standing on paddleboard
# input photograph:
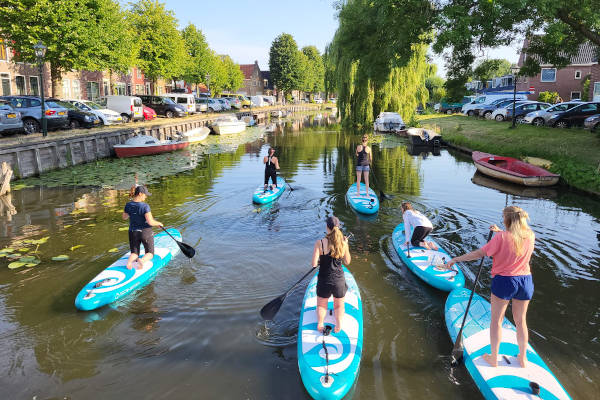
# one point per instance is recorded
(140, 227)
(271, 166)
(511, 278)
(364, 158)
(328, 254)
(419, 225)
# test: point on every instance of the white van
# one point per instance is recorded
(258, 101)
(130, 107)
(487, 98)
(186, 100)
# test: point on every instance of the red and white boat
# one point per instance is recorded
(143, 145)
(513, 170)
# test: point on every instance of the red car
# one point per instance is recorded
(149, 114)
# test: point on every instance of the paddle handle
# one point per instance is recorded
(167, 232)
(301, 279)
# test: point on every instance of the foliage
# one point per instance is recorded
(435, 85)
(162, 48)
(491, 68)
(285, 63)
(200, 57)
(585, 88)
(316, 69)
(548, 97)
(235, 76)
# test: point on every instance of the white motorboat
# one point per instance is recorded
(228, 125)
(195, 135)
(389, 122)
(144, 145)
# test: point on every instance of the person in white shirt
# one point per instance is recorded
(417, 224)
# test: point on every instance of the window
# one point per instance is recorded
(138, 73)
(577, 74)
(66, 88)
(529, 107)
(76, 90)
(106, 88)
(5, 78)
(139, 89)
(92, 90)
(129, 89)
(589, 108)
(119, 89)
(20, 81)
(34, 89)
(3, 56)
(596, 96)
(575, 95)
(548, 75)
(148, 91)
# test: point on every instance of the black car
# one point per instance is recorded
(78, 118)
(592, 123)
(163, 106)
(575, 116)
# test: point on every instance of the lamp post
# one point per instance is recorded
(40, 52)
(515, 71)
(207, 79)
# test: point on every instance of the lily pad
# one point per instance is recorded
(91, 225)
(7, 250)
(13, 256)
(67, 226)
(28, 259)
(29, 265)
(24, 250)
(2, 255)
(16, 264)
(113, 250)
(76, 247)
(62, 257)
(19, 186)
(125, 228)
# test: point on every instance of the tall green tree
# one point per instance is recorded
(284, 63)
(71, 29)
(491, 68)
(162, 48)
(235, 76)
(219, 76)
(317, 68)
(200, 56)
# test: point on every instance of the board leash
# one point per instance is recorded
(326, 332)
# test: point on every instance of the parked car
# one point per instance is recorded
(30, 108)
(224, 104)
(258, 101)
(186, 100)
(575, 116)
(77, 118)
(164, 106)
(10, 119)
(539, 118)
(244, 101)
(149, 113)
(235, 102)
(523, 109)
(592, 123)
(130, 107)
(214, 105)
(201, 105)
(449, 108)
(486, 110)
(500, 114)
(106, 116)
(488, 98)
(318, 100)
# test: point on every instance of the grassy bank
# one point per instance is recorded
(575, 153)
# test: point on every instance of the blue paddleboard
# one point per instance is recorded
(262, 197)
(344, 349)
(508, 380)
(422, 262)
(362, 203)
(117, 281)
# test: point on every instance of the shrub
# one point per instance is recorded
(548, 97)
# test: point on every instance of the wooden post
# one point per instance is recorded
(5, 176)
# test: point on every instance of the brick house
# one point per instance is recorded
(253, 80)
(568, 81)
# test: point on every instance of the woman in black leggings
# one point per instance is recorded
(271, 166)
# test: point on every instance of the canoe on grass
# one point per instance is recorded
(513, 170)
(508, 380)
(362, 203)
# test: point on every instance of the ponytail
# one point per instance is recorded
(335, 242)
(132, 191)
(515, 220)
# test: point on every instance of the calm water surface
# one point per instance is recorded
(195, 332)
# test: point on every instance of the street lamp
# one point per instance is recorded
(40, 52)
(515, 71)
(207, 79)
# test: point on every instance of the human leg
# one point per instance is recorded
(519, 310)
(135, 239)
(366, 177)
(338, 310)
(321, 312)
(358, 172)
(498, 310)
(147, 238)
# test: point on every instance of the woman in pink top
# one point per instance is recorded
(511, 278)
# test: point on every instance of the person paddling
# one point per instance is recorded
(271, 166)
(364, 158)
(511, 278)
(420, 226)
(140, 227)
(329, 253)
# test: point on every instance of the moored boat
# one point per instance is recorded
(228, 125)
(195, 135)
(424, 137)
(389, 122)
(144, 145)
(513, 170)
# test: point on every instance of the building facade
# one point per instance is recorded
(254, 84)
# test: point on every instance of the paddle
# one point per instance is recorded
(272, 307)
(286, 181)
(382, 195)
(185, 248)
(457, 350)
(408, 249)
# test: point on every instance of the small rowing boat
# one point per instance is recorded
(228, 125)
(144, 145)
(195, 135)
(513, 170)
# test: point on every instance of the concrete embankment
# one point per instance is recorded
(33, 155)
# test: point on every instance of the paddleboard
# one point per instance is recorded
(344, 349)
(117, 281)
(362, 203)
(262, 197)
(508, 380)
(422, 262)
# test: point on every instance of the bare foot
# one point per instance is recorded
(433, 246)
(320, 327)
(493, 362)
(338, 328)
(522, 361)
(139, 265)
(424, 244)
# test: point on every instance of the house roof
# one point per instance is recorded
(586, 54)
(247, 69)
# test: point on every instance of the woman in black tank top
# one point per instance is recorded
(364, 158)
(271, 166)
(328, 254)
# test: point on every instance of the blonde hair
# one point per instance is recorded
(406, 206)
(132, 191)
(515, 220)
(335, 242)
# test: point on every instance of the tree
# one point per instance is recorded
(71, 29)
(491, 68)
(235, 76)
(219, 76)
(284, 63)
(162, 48)
(317, 68)
(306, 73)
(200, 56)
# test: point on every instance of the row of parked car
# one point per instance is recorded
(562, 115)
(23, 114)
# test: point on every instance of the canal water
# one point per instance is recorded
(195, 331)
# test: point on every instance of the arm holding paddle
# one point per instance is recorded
(151, 221)
(474, 255)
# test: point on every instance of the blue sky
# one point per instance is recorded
(244, 29)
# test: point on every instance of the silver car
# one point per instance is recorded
(539, 118)
(30, 107)
(106, 116)
(10, 120)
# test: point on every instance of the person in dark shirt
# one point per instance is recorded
(271, 166)
(140, 227)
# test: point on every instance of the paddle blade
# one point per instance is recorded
(384, 196)
(271, 308)
(457, 351)
(186, 249)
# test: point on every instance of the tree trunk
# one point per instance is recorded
(111, 83)
(55, 78)
(154, 91)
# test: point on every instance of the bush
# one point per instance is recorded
(548, 97)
